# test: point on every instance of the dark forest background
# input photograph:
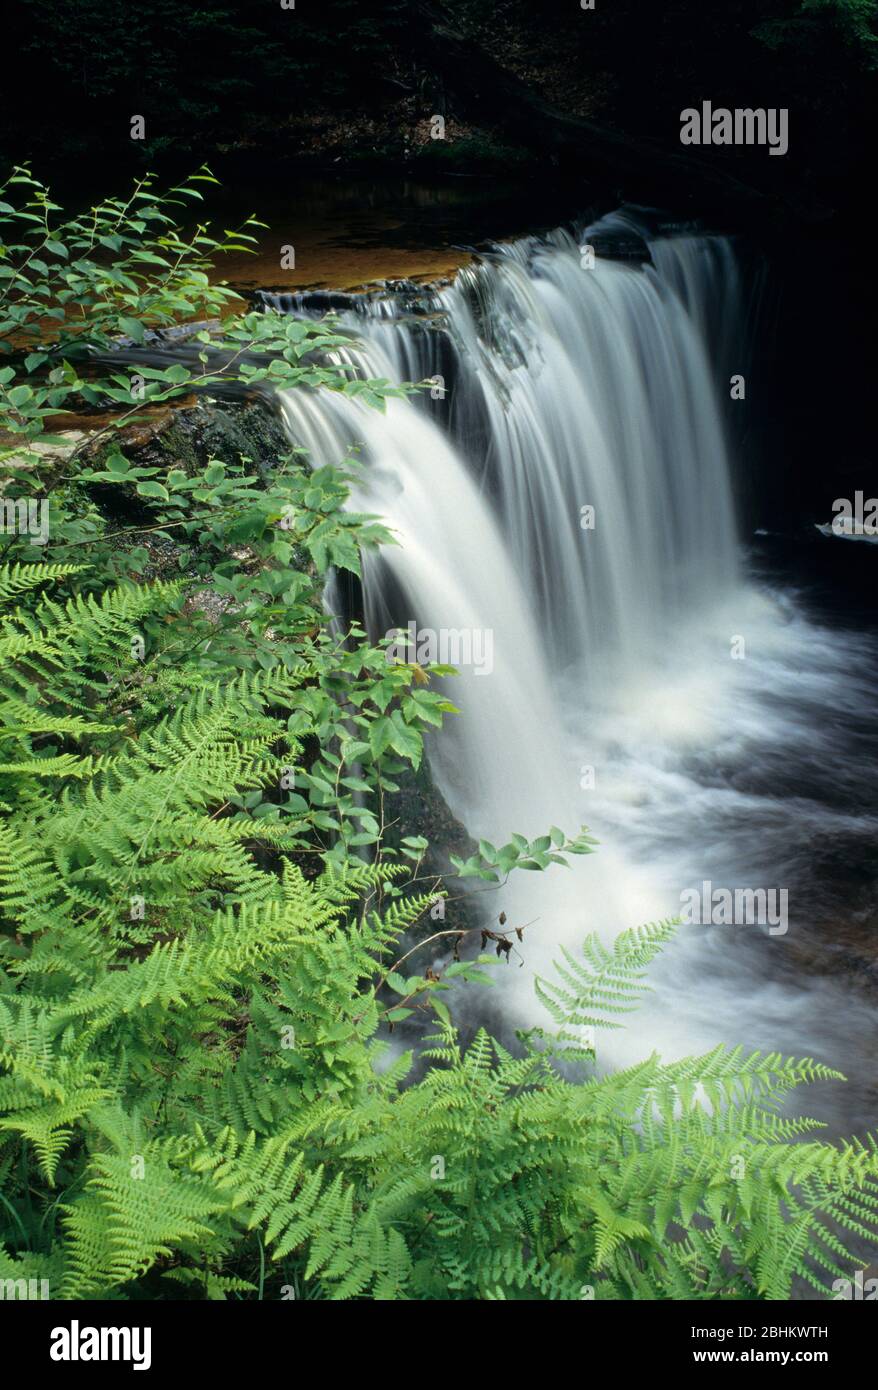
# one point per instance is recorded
(340, 81)
(549, 94)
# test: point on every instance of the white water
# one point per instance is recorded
(571, 387)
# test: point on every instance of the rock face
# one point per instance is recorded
(188, 437)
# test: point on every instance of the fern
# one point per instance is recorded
(193, 1053)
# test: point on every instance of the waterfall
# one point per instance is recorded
(566, 487)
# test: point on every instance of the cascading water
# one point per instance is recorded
(612, 697)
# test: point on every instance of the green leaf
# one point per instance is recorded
(132, 328)
(177, 374)
(397, 1015)
(381, 731)
(405, 740)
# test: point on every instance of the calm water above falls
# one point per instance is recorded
(643, 681)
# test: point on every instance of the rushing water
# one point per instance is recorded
(642, 682)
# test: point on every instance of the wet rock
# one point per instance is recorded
(617, 246)
(189, 437)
